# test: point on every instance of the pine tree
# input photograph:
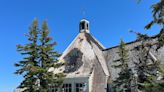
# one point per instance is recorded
(151, 76)
(47, 59)
(28, 66)
(155, 82)
(158, 14)
(123, 82)
(158, 18)
(151, 82)
(39, 57)
(146, 67)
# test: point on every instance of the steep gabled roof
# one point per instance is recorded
(89, 50)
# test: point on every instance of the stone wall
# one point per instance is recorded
(111, 55)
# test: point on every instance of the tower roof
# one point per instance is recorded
(84, 20)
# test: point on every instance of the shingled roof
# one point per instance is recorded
(111, 54)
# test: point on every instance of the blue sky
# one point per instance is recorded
(110, 20)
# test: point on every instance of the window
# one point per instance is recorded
(83, 25)
(67, 88)
(87, 27)
(80, 87)
(71, 86)
(53, 89)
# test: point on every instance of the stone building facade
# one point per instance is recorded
(89, 64)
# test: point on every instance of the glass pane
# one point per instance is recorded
(56, 90)
(67, 88)
(70, 90)
(81, 85)
(66, 85)
(77, 85)
(69, 85)
(77, 89)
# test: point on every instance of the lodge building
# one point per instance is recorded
(89, 64)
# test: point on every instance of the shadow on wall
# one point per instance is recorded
(73, 60)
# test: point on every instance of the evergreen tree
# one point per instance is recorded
(158, 18)
(151, 76)
(153, 83)
(47, 58)
(123, 82)
(28, 66)
(147, 67)
(141, 66)
(158, 14)
(39, 57)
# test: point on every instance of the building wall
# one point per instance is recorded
(99, 79)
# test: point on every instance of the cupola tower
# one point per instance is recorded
(84, 26)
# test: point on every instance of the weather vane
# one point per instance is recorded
(84, 13)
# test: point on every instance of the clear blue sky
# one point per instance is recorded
(110, 20)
